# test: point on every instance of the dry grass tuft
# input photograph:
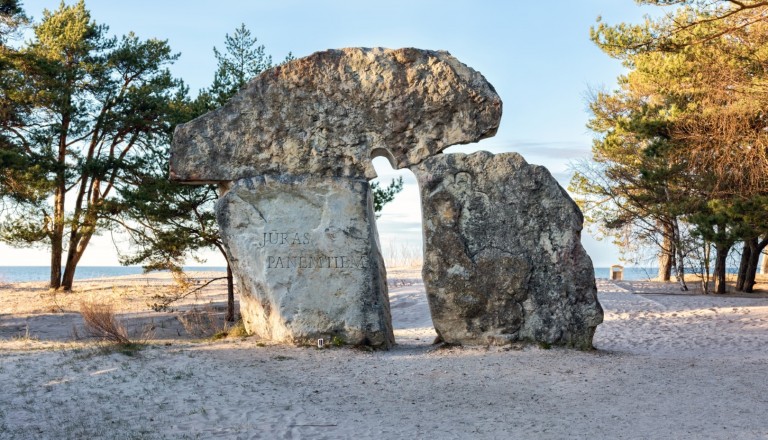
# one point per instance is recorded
(236, 330)
(26, 336)
(200, 322)
(398, 254)
(101, 324)
(208, 322)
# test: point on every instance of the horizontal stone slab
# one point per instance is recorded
(327, 114)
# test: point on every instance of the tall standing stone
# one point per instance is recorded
(306, 252)
(292, 151)
(503, 256)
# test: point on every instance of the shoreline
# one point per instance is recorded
(40, 273)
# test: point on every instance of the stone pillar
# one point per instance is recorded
(503, 259)
(306, 255)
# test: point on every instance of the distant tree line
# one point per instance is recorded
(86, 121)
(680, 157)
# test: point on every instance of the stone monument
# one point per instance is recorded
(292, 153)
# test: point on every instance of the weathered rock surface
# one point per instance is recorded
(306, 256)
(328, 113)
(503, 257)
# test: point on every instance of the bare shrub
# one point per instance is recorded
(231, 330)
(26, 336)
(181, 289)
(208, 323)
(101, 323)
(398, 254)
(400, 282)
(200, 322)
(237, 330)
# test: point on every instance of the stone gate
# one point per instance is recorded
(292, 153)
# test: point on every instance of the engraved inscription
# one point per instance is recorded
(306, 259)
(285, 238)
(316, 262)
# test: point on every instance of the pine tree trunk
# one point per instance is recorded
(57, 236)
(749, 276)
(665, 267)
(56, 250)
(230, 295)
(666, 256)
(720, 267)
(57, 231)
(743, 265)
(706, 261)
(69, 271)
(680, 274)
(680, 267)
(77, 247)
(755, 249)
(230, 284)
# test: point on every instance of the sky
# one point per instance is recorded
(537, 55)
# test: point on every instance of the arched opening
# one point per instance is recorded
(401, 240)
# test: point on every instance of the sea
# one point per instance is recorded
(16, 274)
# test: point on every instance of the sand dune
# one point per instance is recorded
(667, 365)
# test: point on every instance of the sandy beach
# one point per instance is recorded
(666, 365)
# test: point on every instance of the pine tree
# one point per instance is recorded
(702, 66)
(86, 108)
(241, 60)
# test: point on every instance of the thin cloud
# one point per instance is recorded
(561, 150)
